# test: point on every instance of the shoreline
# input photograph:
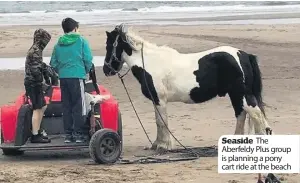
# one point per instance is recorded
(178, 19)
(215, 16)
(198, 21)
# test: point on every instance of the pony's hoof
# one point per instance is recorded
(146, 148)
(268, 131)
(161, 147)
(260, 181)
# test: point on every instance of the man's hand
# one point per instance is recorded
(49, 73)
(99, 98)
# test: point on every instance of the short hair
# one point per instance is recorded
(69, 24)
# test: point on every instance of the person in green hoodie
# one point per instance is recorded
(72, 60)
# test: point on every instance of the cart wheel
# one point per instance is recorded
(105, 146)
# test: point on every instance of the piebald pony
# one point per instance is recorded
(189, 78)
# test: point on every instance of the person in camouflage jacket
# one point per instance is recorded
(36, 71)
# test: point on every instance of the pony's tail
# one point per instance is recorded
(257, 83)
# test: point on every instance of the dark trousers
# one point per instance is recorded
(73, 101)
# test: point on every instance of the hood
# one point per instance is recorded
(68, 39)
(41, 38)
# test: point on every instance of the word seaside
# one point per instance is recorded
(259, 154)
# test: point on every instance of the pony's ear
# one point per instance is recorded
(107, 33)
(124, 29)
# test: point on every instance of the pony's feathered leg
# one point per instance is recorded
(260, 123)
(163, 139)
(250, 125)
(236, 98)
(240, 124)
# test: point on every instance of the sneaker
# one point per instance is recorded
(81, 138)
(43, 133)
(78, 139)
(69, 138)
(39, 139)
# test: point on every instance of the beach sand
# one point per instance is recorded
(277, 47)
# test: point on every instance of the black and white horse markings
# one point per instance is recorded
(189, 78)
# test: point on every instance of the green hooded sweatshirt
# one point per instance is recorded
(71, 56)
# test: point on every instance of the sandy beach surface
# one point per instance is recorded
(277, 47)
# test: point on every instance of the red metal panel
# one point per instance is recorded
(9, 115)
(109, 110)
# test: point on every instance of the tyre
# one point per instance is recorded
(11, 152)
(105, 146)
(24, 120)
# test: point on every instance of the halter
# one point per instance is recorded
(114, 56)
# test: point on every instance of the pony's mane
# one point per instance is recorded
(138, 39)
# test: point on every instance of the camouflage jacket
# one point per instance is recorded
(36, 71)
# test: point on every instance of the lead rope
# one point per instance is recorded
(121, 77)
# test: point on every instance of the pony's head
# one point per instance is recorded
(117, 42)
